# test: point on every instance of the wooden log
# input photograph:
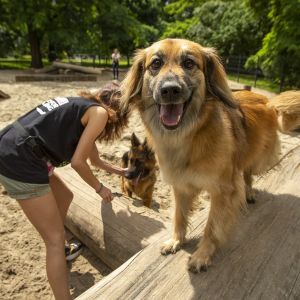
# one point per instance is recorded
(82, 69)
(47, 69)
(262, 261)
(55, 77)
(115, 231)
(3, 95)
(242, 88)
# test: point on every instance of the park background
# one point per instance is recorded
(258, 40)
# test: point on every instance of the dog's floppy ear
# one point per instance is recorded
(131, 86)
(135, 142)
(215, 78)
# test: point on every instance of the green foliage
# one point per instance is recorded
(177, 29)
(229, 26)
(265, 31)
(178, 18)
(56, 28)
(280, 53)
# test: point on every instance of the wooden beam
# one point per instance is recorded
(82, 69)
(114, 232)
(3, 95)
(262, 261)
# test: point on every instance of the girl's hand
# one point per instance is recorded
(106, 194)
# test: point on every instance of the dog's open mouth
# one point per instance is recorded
(172, 114)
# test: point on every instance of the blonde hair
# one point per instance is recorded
(109, 98)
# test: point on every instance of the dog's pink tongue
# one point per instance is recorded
(136, 180)
(170, 114)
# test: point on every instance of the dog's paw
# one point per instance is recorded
(170, 246)
(199, 262)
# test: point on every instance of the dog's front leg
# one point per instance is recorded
(227, 199)
(183, 204)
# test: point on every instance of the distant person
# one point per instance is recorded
(58, 132)
(115, 63)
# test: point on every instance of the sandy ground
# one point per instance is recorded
(22, 253)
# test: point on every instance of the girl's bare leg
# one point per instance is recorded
(44, 214)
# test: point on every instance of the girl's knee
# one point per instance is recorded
(56, 239)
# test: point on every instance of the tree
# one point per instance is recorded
(280, 52)
(178, 17)
(76, 26)
(27, 18)
(229, 26)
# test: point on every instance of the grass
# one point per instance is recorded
(99, 64)
(23, 63)
(262, 83)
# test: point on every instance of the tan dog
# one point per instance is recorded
(202, 137)
(287, 105)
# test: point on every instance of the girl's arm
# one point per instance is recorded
(95, 119)
(104, 165)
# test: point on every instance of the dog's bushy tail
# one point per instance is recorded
(287, 106)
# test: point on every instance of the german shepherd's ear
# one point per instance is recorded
(145, 145)
(131, 86)
(135, 142)
(215, 78)
(148, 150)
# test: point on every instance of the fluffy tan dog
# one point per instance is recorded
(203, 138)
(287, 105)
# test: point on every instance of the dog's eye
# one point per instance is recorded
(156, 64)
(188, 64)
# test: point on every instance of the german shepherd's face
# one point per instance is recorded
(140, 160)
(170, 81)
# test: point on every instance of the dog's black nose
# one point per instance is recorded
(128, 175)
(170, 90)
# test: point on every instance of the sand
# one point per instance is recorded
(22, 252)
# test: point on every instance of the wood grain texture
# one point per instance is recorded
(87, 70)
(262, 261)
(115, 231)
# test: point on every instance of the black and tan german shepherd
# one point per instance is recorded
(140, 177)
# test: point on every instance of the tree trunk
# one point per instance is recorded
(51, 53)
(128, 60)
(35, 49)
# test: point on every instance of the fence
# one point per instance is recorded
(235, 65)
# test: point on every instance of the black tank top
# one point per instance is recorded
(58, 122)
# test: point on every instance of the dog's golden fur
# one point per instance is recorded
(287, 105)
(217, 144)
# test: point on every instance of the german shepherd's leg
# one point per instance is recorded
(147, 197)
(250, 195)
(227, 199)
(127, 191)
(183, 205)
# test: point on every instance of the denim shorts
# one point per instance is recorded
(23, 190)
